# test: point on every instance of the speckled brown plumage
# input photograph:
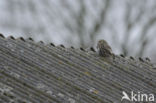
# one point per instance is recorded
(104, 49)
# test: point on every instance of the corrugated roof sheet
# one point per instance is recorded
(37, 73)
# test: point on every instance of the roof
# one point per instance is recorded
(37, 73)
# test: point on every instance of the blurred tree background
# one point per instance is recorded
(129, 26)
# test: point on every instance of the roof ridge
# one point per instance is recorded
(146, 59)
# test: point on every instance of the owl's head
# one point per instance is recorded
(101, 43)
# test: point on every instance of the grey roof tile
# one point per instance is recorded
(35, 72)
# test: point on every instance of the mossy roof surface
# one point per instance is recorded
(33, 72)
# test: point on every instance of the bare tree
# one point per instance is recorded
(130, 24)
(84, 20)
(80, 26)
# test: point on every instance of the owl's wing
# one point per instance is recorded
(109, 48)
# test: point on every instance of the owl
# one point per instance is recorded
(104, 49)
